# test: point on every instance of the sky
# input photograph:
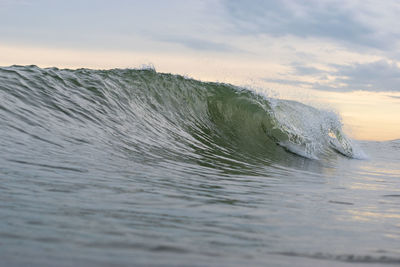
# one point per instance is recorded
(334, 54)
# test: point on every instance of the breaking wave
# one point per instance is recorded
(163, 116)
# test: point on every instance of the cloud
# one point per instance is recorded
(378, 76)
(199, 44)
(301, 69)
(394, 96)
(343, 21)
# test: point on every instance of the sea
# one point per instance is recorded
(132, 167)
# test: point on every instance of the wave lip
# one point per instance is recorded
(311, 132)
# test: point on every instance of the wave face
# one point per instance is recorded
(163, 115)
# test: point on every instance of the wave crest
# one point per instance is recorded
(162, 115)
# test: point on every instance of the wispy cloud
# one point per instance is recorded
(301, 69)
(199, 44)
(378, 76)
(394, 96)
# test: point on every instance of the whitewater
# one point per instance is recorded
(131, 167)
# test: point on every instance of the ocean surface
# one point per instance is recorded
(132, 167)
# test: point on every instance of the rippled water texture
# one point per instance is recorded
(134, 167)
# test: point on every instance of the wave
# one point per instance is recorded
(164, 116)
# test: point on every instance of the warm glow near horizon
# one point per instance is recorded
(368, 115)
